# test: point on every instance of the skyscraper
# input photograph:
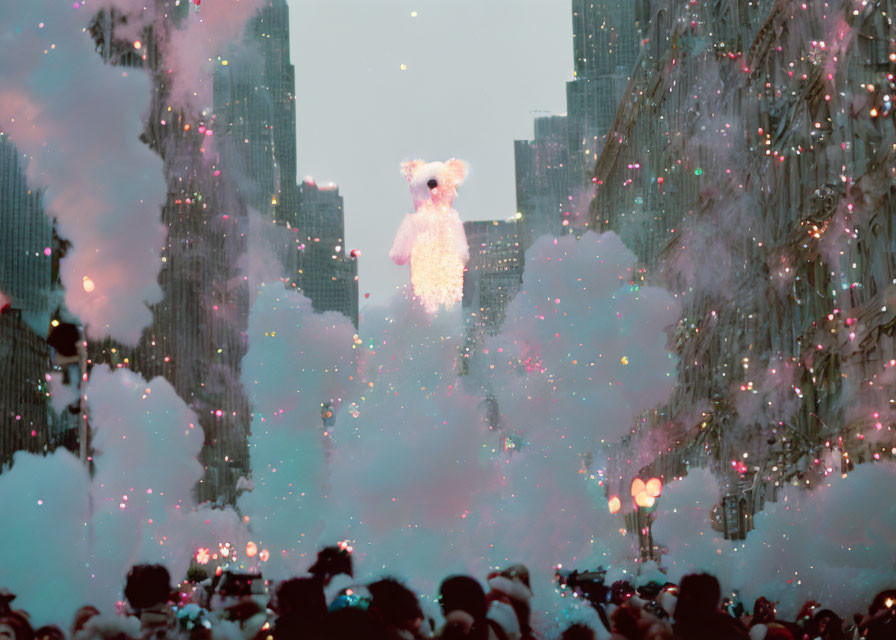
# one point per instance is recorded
(554, 170)
(26, 241)
(543, 179)
(197, 337)
(269, 32)
(492, 278)
(329, 274)
(724, 225)
(606, 41)
(604, 36)
(255, 102)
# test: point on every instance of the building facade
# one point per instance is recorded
(29, 259)
(197, 337)
(492, 278)
(329, 274)
(752, 177)
(26, 241)
(543, 187)
(554, 170)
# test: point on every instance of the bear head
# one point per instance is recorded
(434, 182)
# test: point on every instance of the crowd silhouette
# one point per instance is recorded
(243, 606)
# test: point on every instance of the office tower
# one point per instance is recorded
(544, 193)
(329, 272)
(741, 211)
(197, 337)
(606, 43)
(26, 259)
(492, 277)
(26, 241)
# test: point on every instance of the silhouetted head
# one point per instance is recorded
(395, 604)
(698, 594)
(82, 615)
(578, 631)
(49, 632)
(763, 611)
(352, 623)
(465, 594)
(301, 597)
(332, 561)
(147, 585)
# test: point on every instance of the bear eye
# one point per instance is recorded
(432, 184)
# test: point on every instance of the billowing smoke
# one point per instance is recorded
(44, 531)
(138, 507)
(77, 121)
(410, 472)
(843, 569)
(297, 362)
(583, 348)
(193, 39)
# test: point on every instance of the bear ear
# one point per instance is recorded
(409, 168)
(456, 171)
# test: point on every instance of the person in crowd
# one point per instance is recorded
(397, 608)
(301, 609)
(331, 562)
(880, 623)
(239, 598)
(509, 598)
(578, 631)
(620, 592)
(82, 615)
(100, 627)
(697, 612)
(14, 625)
(149, 593)
(465, 609)
(826, 625)
(640, 619)
(387, 610)
(49, 632)
(763, 612)
(353, 623)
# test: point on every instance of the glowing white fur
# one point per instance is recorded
(433, 237)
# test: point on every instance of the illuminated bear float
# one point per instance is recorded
(433, 237)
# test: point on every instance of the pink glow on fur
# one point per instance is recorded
(433, 237)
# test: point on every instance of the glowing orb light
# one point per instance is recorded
(88, 284)
(202, 555)
(615, 504)
(654, 487)
(251, 549)
(264, 554)
(638, 487)
(644, 500)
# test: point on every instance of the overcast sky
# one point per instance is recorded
(477, 73)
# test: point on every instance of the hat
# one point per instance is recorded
(504, 616)
(512, 582)
(667, 600)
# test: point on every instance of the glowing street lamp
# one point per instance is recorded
(645, 495)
